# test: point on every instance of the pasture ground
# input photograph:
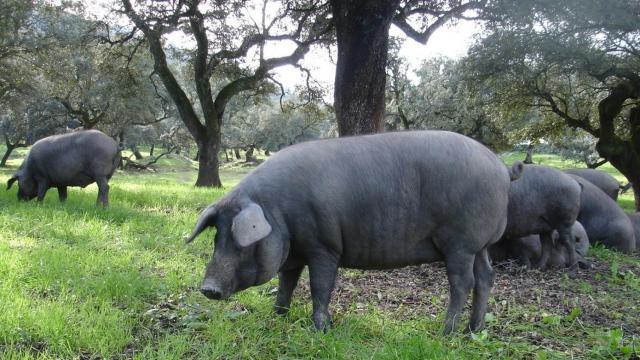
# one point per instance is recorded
(86, 283)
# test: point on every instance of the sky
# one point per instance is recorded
(448, 41)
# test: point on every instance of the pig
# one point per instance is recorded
(602, 218)
(366, 202)
(599, 178)
(74, 159)
(527, 250)
(541, 201)
(635, 221)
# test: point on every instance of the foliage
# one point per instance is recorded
(441, 98)
(576, 62)
(271, 127)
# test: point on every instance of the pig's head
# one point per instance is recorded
(247, 250)
(27, 188)
(582, 239)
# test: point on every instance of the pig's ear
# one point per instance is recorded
(207, 219)
(250, 225)
(11, 181)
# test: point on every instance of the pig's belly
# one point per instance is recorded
(81, 180)
(389, 255)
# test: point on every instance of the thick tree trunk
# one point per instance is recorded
(249, 154)
(624, 155)
(635, 185)
(208, 173)
(362, 30)
(226, 155)
(236, 152)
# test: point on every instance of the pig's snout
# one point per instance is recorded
(211, 292)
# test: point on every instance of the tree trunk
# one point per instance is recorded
(635, 185)
(10, 148)
(529, 158)
(624, 155)
(267, 152)
(5, 157)
(226, 155)
(153, 146)
(208, 173)
(236, 152)
(249, 154)
(362, 30)
(136, 152)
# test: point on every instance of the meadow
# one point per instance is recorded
(80, 282)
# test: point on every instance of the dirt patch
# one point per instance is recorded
(597, 296)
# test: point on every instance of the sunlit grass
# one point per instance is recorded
(80, 281)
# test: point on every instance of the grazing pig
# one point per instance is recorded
(635, 221)
(527, 250)
(599, 178)
(367, 202)
(602, 218)
(74, 159)
(541, 201)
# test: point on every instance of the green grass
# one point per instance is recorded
(81, 282)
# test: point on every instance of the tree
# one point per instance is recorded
(226, 37)
(362, 32)
(271, 126)
(441, 98)
(578, 62)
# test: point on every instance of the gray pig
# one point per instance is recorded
(527, 250)
(368, 202)
(601, 179)
(602, 218)
(541, 201)
(635, 221)
(75, 159)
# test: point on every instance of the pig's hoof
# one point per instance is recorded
(322, 321)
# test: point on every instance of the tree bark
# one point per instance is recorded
(624, 155)
(208, 172)
(136, 152)
(635, 185)
(249, 154)
(10, 148)
(362, 30)
(529, 158)
(236, 152)
(5, 157)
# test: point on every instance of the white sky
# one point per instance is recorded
(449, 41)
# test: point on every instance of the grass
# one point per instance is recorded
(82, 282)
